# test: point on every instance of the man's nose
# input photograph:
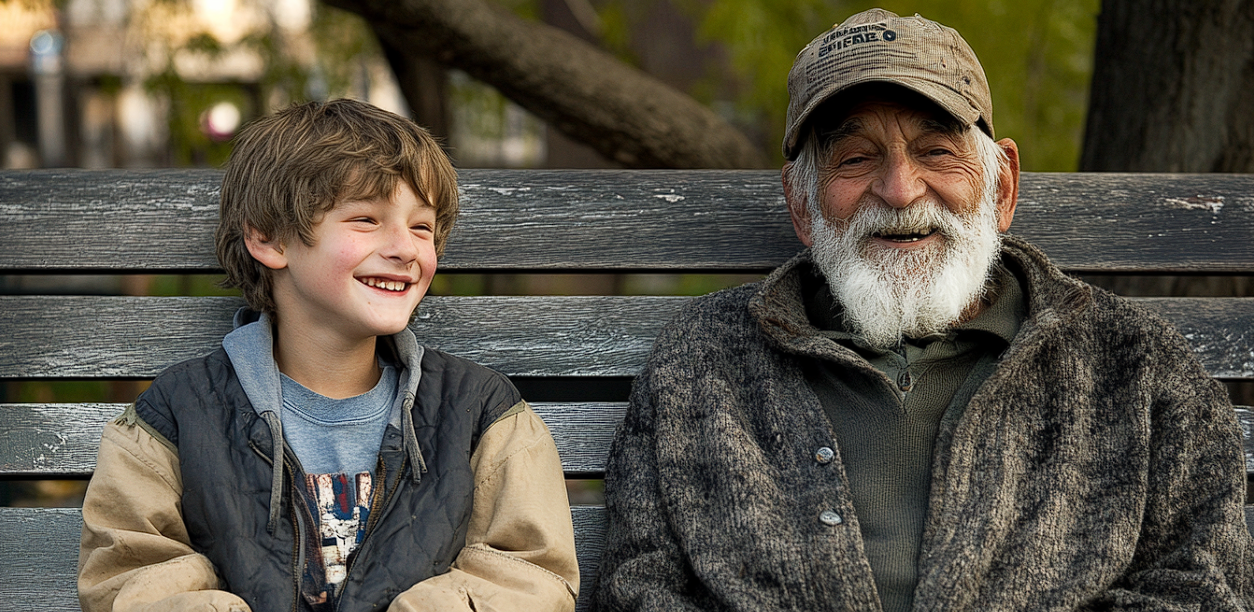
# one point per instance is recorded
(900, 183)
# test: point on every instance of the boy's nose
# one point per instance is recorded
(400, 246)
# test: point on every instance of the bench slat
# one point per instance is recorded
(38, 574)
(1245, 416)
(69, 337)
(40, 568)
(137, 337)
(59, 441)
(163, 220)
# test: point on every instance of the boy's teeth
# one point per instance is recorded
(385, 284)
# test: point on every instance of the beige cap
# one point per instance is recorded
(879, 46)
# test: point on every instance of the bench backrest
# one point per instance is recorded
(61, 222)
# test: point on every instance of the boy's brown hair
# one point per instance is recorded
(289, 169)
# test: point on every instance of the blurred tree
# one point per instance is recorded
(1173, 88)
(1173, 91)
(587, 78)
(578, 88)
(255, 62)
(1038, 54)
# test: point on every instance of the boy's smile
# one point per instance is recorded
(371, 263)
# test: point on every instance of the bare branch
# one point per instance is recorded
(577, 88)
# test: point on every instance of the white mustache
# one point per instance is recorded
(875, 219)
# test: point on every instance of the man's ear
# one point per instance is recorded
(797, 208)
(1007, 184)
(268, 251)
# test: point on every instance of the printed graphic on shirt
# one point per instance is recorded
(341, 508)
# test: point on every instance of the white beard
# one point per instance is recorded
(891, 294)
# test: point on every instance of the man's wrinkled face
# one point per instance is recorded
(904, 224)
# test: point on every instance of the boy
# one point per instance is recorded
(321, 459)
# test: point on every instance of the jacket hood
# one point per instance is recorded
(250, 347)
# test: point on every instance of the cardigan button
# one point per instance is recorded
(830, 518)
(905, 382)
(824, 455)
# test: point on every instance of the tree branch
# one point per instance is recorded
(577, 88)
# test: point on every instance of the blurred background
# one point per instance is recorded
(146, 83)
(1080, 84)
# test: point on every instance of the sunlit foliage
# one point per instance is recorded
(1038, 55)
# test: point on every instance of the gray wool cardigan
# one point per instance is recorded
(1098, 468)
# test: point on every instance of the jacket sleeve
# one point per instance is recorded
(135, 554)
(643, 568)
(1194, 550)
(520, 544)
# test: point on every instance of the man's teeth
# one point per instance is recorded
(904, 236)
(385, 284)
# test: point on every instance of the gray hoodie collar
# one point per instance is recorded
(250, 347)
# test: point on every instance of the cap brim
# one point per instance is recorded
(949, 100)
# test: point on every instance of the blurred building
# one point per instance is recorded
(158, 83)
(118, 83)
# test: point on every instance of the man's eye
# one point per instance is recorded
(852, 161)
(939, 152)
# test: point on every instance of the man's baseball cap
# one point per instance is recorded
(879, 46)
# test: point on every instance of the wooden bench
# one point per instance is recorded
(146, 222)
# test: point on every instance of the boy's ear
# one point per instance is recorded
(268, 251)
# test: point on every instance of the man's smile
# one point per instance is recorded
(903, 236)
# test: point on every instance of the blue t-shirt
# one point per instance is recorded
(337, 442)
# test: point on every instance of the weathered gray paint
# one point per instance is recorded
(59, 441)
(163, 220)
(580, 336)
(75, 221)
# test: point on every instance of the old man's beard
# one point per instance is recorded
(889, 294)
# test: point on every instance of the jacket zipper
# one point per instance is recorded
(298, 523)
(375, 511)
(298, 561)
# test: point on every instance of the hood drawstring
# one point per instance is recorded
(411, 439)
(276, 481)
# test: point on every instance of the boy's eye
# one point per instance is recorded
(363, 220)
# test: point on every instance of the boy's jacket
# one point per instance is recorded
(184, 510)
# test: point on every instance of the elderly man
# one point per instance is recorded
(919, 412)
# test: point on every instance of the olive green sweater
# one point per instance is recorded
(886, 427)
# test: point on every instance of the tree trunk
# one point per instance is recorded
(1173, 91)
(424, 83)
(1173, 87)
(576, 87)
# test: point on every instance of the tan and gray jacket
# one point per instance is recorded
(181, 512)
(1098, 467)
